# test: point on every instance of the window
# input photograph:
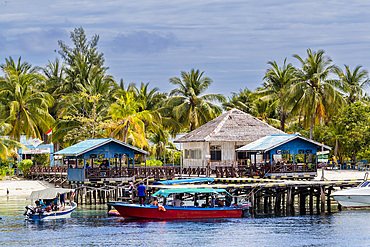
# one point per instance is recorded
(215, 152)
(193, 154)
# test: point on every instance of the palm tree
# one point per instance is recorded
(278, 81)
(7, 145)
(128, 121)
(244, 101)
(25, 108)
(314, 93)
(189, 107)
(353, 83)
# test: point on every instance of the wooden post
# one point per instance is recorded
(322, 195)
(288, 201)
(253, 204)
(277, 208)
(94, 195)
(311, 201)
(258, 202)
(265, 203)
(318, 201)
(302, 202)
(328, 200)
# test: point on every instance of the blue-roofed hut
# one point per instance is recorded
(111, 152)
(287, 154)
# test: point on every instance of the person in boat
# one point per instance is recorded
(141, 192)
(219, 202)
(154, 201)
(177, 202)
(228, 200)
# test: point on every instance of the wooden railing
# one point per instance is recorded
(229, 171)
(48, 169)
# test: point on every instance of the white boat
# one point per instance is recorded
(55, 206)
(358, 197)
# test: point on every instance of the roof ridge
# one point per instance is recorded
(218, 127)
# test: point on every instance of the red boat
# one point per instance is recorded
(212, 207)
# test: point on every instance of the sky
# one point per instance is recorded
(153, 41)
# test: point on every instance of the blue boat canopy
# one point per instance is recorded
(184, 181)
(167, 192)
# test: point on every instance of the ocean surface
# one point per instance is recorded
(90, 226)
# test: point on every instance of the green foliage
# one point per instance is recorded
(356, 138)
(153, 162)
(5, 168)
(24, 166)
(42, 159)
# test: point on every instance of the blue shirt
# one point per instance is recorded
(141, 190)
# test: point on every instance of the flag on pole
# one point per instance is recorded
(49, 132)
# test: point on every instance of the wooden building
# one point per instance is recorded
(85, 159)
(214, 143)
(285, 155)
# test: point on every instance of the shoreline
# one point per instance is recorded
(21, 188)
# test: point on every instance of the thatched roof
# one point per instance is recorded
(231, 126)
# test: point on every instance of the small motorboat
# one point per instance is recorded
(185, 203)
(50, 203)
(358, 197)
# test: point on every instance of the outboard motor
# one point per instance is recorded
(245, 207)
(29, 211)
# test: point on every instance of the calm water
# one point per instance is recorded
(90, 226)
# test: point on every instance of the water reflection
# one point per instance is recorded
(91, 226)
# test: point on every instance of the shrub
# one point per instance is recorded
(24, 166)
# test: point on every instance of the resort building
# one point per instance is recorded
(215, 143)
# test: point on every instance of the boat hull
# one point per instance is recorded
(132, 211)
(62, 214)
(353, 201)
(353, 198)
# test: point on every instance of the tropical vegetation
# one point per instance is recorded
(76, 97)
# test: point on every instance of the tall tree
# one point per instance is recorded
(25, 107)
(128, 122)
(314, 93)
(189, 106)
(279, 79)
(353, 83)
(244, 101)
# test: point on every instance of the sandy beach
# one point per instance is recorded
(20, 189)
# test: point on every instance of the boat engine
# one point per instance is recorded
(29, 211)
(245, 207)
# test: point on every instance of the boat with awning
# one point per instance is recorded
(185, 203)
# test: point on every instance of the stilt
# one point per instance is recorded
(289, 201)
(322, 195)
(328, 202)
(311, 201)
(302, 203)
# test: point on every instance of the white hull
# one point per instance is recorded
(353, 198)
(64, 213)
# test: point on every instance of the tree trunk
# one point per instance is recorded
(282, 118)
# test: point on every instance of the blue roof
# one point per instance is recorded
(269, 142)
(184, 181)
(89, 144)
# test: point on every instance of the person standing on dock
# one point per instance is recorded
(141, 192)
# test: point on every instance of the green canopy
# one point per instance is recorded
(167, 192)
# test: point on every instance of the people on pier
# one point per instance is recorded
(141, 192)
(104, 164)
